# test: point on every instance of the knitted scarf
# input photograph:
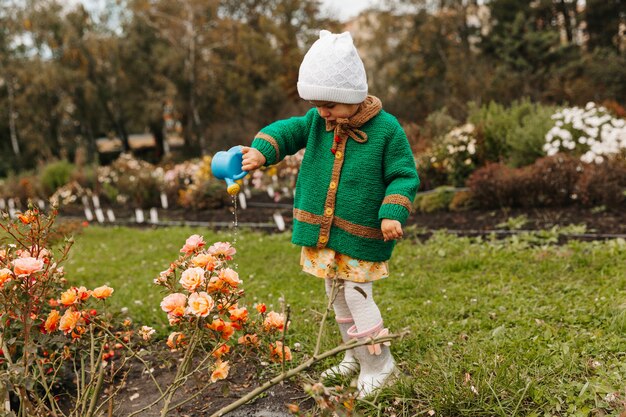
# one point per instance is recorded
(348, 127)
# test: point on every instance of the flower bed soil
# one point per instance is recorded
(137, 391)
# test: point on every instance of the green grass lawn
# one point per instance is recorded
(497, 327)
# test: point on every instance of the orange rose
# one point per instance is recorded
(261, 308)
(52, 321)
(276, 351)
(174, 304)
(69, 297)
(175, 340)
(249, 340)
(216, 284)
(69, 321)
(78, 332)
(24, 219)
(239, 314)
(200, 304)
(274, 320)
(146, 332)
(223, 327)
(5, 275)
(192, 243)
(220, 351)
(204, 260)
(231, 277)
(82, 293)
(192, 278)
(222, 250)
(27, 265)
(221, 371)
(102, 292)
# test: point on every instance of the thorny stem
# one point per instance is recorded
(108, 400)
(95, 394)
(311, 361)
(47, 390)
(282, 359)
(185, 401)
(181, 374)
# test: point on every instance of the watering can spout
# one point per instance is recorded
(232, 187)
(226, 165)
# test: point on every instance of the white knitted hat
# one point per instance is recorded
(332, 71)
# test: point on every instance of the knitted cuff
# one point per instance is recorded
(353, 332)
(266, 149)
(393, 212)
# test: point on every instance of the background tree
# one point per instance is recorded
(216, 71)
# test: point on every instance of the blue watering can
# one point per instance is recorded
(226, 165)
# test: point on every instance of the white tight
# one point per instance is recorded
(355, 299)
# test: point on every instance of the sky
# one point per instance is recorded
(342, 9)
(346, 9)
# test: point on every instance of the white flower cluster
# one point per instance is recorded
(69, 193)
(461, 139)
(459, 143)
(591, 131)
(182, 174)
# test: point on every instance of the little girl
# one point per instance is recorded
(354, 191)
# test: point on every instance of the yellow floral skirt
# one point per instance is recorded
(326, 263)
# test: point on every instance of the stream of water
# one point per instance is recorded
(235, 232)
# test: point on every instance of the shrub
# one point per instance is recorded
(556, 180)
(493, 185)
(550, 181)
(493, 122)
(462, 200)
(432, 173)
(438, 123)
(24, 187)
(513, 135)
(209, 194)
(603, 184)
(130, 180)
(191, 185)
(55, 175)
(436, 200)
(525, 140)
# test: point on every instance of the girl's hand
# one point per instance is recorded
(252, 159)
(392, 229)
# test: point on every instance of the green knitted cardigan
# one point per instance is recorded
(346, 185)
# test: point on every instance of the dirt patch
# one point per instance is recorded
(137, 390)
(601, 222)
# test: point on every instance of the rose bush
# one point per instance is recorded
(204, 304)
(52, 332)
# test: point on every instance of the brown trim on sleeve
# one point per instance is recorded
(400, 200)
(271, 141)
